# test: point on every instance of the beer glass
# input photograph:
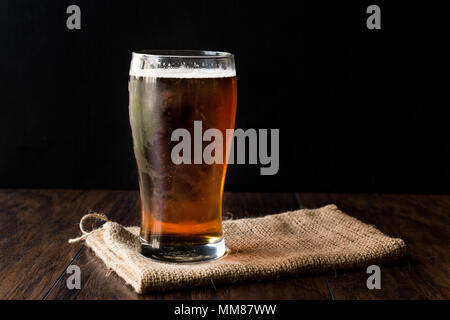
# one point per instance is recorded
(181, 201)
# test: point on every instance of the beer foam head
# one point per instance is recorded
(207, 65)
(182, 73)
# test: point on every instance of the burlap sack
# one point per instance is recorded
(307, 240)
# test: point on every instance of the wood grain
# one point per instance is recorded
(34, 228)
(423, 221)
(97, 284)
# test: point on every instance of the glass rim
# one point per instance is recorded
(183, 54)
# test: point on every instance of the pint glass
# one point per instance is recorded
(181, 201)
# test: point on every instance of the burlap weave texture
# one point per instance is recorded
(289, 243)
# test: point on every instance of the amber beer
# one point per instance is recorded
(181, 203)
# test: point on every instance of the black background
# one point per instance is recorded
(357, 109)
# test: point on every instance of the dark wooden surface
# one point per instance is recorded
(34, 253)
(422, 221)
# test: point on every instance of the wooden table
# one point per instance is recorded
(35, 226)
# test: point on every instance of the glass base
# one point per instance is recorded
(198, 253)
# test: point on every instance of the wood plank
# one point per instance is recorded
(421, 220)
(97, 285)
(34, 228)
